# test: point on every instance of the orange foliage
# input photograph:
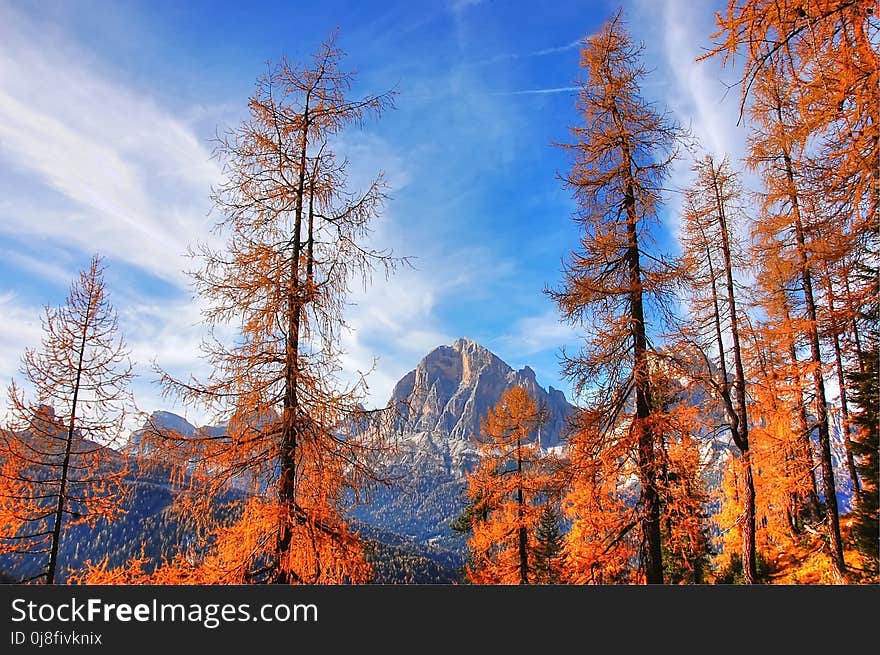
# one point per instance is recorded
(682, 426)
(797, 237)
(622, 153)
(234, 552)
(508, 488)
(295, 437)
(781, 462)
(604, 498)
(602, 546)
(826, 49)
(713, 259)
(57, 465)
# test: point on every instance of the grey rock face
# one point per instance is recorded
(442, 402)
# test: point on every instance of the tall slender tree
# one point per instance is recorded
(681, 421)
(786, 496)
(711, 245)
(297, 438)
(622, 153)
(778, 366)
(829, 127)
(57, 465)
(790, 229)
(830, 55)
(835, 328)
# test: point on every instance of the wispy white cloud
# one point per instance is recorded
(513, 56)
(109, 169)
(132, 181)
(43, 266)
(135, 177)
(399, 318)
(368, 155)
(92, 165)
(20, 327)
(166, 333)
(549, 90)
(702, 93)
(706, 98)
(537, 334)
(699, 94)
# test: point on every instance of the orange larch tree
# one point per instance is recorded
(58, 468)
(791, 229)
(509, 488)
(621, 154)
(838, 317)
(684, 427)
(827, 56)
(603, 545)
(830, 53)
(777, 366)
(787, 496)
(297, 442)
(712, 215)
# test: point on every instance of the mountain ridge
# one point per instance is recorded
(440, 404)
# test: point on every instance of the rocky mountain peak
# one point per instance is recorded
(440, 405)
(443, 400)
(528, 373)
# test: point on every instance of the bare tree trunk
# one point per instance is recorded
(750, 573)
(844, 406)
(832, 512)
(522, 532)
(52, 566)
(290, 416)
(651, 533)
(741, 420)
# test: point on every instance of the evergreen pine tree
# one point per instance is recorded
(548, 546)
(463, 524)
(865, 387)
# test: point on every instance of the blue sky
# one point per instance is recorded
(107, 110)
